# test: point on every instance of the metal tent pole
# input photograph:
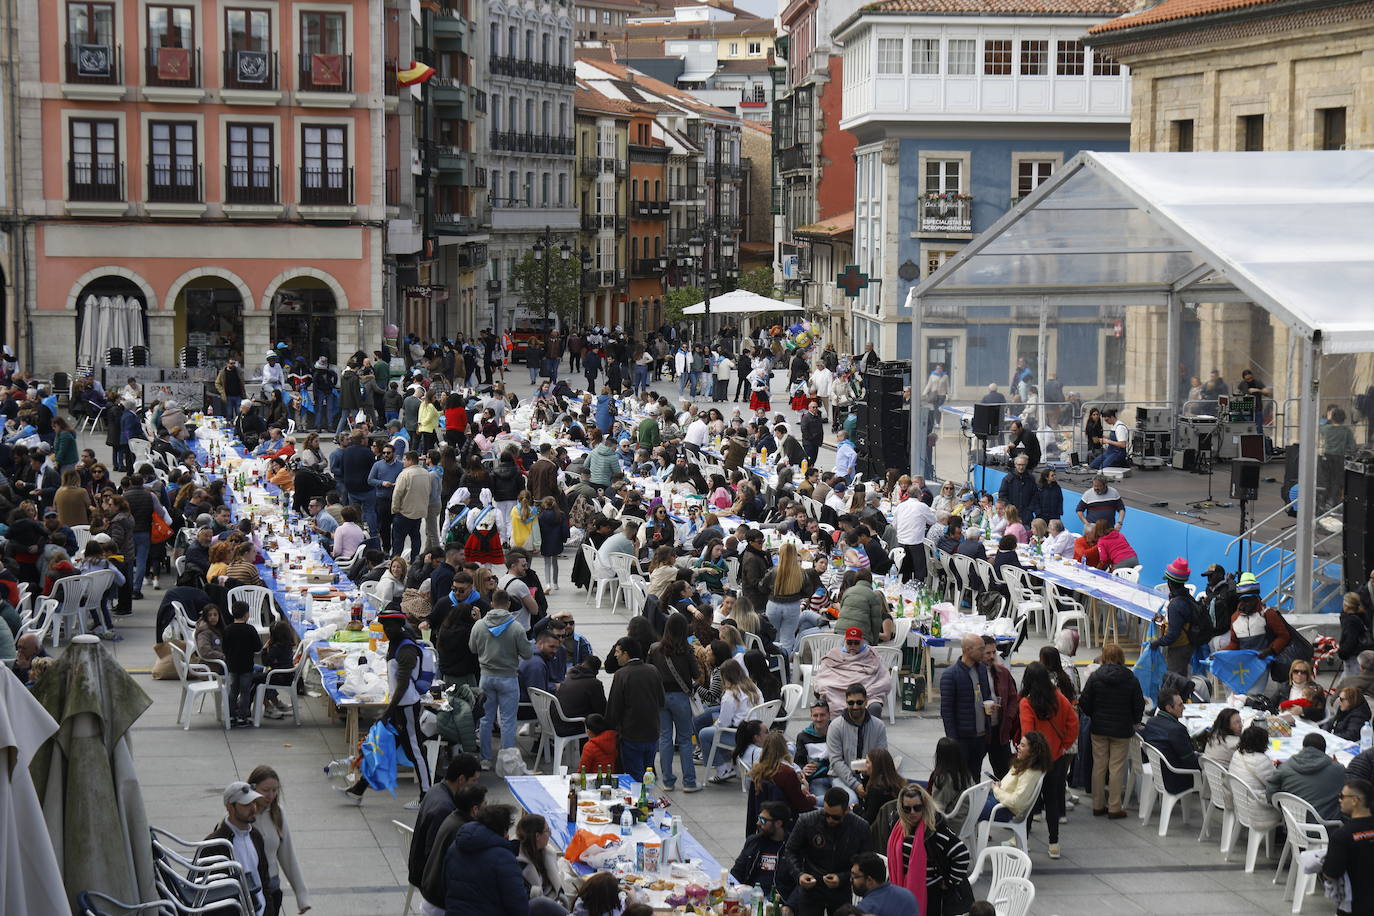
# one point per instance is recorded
(1307, 475)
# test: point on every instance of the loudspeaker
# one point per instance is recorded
(1183, 459)
(987, 420)
(1290, 469)
(1357, 535)
(1245, 478)
(1252, 446)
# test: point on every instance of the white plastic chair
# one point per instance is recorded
(1017, 825)
(1158, 767)
(1002, 862)
(968, 806)
(1015, 897)
(892, 658)
(1065, 611)
(1255, 815)
(732, 572)
(213, 685)
(636, 594)
(39, 622)
(1023, 599)
(79, 596)
(963, 578)
(407, 834)
(791, 700)
(819, 644)
(764, 712)
(602, 577)
(545, 704)
(1218, 798)
(1306, 830)
(83, 535)
(898, 556)
(283, 680)
(901, 629)
(179, 566)
(372, 591)
(626, 570)
(259, 601)
(1129, 573)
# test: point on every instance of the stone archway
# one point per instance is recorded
(100, 283)
(207, 306)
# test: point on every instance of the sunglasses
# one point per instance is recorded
(913, 809)
(856, 702)
(853, 642)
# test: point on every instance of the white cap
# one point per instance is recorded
(240, 793)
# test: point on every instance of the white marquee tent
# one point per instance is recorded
(739, 302)
(1291, 232)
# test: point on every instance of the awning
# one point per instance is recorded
(740, 301)
(830, 228)
(696, 76)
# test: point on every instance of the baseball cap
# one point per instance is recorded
(1214, 571)
(50, 511)
(853, 633)
(102, 538)
(240, 793)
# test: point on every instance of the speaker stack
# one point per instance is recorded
(1245, 478)
(1357, 535)
(887, 442)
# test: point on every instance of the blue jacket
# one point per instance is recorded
(1048, 503)
(384, 472)
(1019, 490)
(130, 427)
(605, 412)
(888, 900)
(1180, 613)
(591, 363)
(482, 875)
(957, 700)
(355, 464)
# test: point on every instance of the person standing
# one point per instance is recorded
(966, 699)
(241, 644)
(442, 801)
(382, 478)
(1004, 726)
(410, 504)
(500, 644)
(1113, 702)
(936, 389)
(229, 384)
(323, 381)
(1182, 627)
(1351, 852)
(1046, 710)
(405, 662)
(678, 670)
(239, 828)
(633, 707)
(812, 425)
(277, 843)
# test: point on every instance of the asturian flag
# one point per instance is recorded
(418, 73)
(1240, 669)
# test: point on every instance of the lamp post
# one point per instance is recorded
(700, 258)
(545, 243)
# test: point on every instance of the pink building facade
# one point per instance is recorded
(220, 161)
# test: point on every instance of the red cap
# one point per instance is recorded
(853, 633)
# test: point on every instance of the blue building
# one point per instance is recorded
(960, 109)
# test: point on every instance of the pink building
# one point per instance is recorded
(220, 161)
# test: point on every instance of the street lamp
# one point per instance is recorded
(699, 249)
(542, 244)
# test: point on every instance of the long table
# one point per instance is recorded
(1198, 717)
(548, 796)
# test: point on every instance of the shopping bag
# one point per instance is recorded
(584, 840)
(1149, 670)
(1242, 670)
(380, 757)
(159, 530)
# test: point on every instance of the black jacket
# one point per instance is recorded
(580, 695)
(223, 832)
(636, 697)
(437, 806)
(507, 481)
(1348, 723)
(1113, 700)
(753, 566)
(758, 863)
(812, 429)
(1170, 737)
(813, 848)
(1020, 491)
(354, 466)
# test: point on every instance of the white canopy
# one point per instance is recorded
(740, 301)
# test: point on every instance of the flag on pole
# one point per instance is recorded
(418, 73)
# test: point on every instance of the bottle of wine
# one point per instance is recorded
(572, 803)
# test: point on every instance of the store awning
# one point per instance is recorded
(828, 228)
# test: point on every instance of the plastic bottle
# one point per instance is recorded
(646, 788)
(627, 822)
(1366, 736)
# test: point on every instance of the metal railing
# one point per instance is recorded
(321, 186)
(648, 267)
(946, 214)
(390, 84)
(95, 181)
(649, 209)
(179, 69)
(256, 185)
(1278, 555)
(532, 70)
(94, 64)
(181, 185)
(794, 157)
(678, 193)
(603, 165)
(252, 70)
(325, 73)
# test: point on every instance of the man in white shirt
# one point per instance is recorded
(682, 367)
(821, 382)
(240, 813)
(272, 378)
(1115, 444)
(697, 432)
(912, 518)
(838, 499)
(845, 456)
(1060, 542)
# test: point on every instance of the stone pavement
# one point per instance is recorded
(354, 863)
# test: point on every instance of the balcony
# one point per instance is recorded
(725, 171)
(946, 213)
(649, 209)
(324, 79)
(794, 157)
(448, 92)
(94, 72)
(172, 68)
(533, 70)
(249, 76)
(648, 267)
(456, 224)
(179, 185)
(252, 192)
(680, 236)
(601, 165)
(101, 182)
(472, 255)
(494, 287)
(391, 87)
(603, 279)
(326, 187)
(599, 222)
(684, 193)
(449, 23)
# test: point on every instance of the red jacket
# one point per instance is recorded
(1009, 728)
(1112, 548)
(599, 751)
(1060, 731)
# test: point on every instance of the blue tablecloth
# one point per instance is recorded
(535, 798)
(1133, 598)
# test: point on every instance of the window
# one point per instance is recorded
(1104, 65)
(529, 117)
(1182, 136)
(546, 118)
(562, 189)
(511, 44)
(1331, 127)
(170, 42)
(658, 189)
(634, 248)
(90, 42)
(545, 45)
(248, 44)
(324, 172)
(251, 172)
(937, 256)
(172, 172)
(1035, 58)
(997, 57)
(563, 52)
(889, 55)
(545, 189)
(529, 189)
(93, 160)
(734, 49)
(803, 110)
(1030, 173)
(512, 189)
(755, 48)
(495, 188)
(1069, 61)
(942, 176)
(529, 44)
(495, 111)
(925, 56)
(322, 33)
(963, 56)
(1250, 133)
(562, 119)
(323, 66)
(495, 49)
(513, 124)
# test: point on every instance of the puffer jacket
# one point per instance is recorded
(862, 607)
(603, 464)
(1114, 702)
(507, 481)
(483, 876)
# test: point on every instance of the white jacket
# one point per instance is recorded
(1253, 769)
(822, 380)
(682, 361)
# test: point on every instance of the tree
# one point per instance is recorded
(680, 298)
(760, 281)
(565, 285)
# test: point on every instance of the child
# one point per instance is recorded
(92, 560)
(241, 644)
(279, 653)
(392, 401)
(599, 751)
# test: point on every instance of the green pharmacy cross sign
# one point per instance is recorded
(851, 281)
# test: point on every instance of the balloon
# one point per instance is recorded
(391, 330)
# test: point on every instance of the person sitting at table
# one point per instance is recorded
(1085, 548)
(852, 664)
(241, 568)
(1018, 790)
(539, 863)
(1006, 555)
(1299, 680)
(861, 606)
(1170, 737)
(1223, 737)
(1059, 542)
(953, 535)
(349, 536)
(1013, 525)
(1113, 550)
(775, 777)
(1350, 714)
(710, 567)
(739, 694)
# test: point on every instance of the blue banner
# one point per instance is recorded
(1240, 669)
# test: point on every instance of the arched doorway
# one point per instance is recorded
(96, 295)
(304, 316)
(209, 314)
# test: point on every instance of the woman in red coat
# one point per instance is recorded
(776, 777)
(1047, 711)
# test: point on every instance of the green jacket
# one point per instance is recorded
(64, 449)
(603, 464)
(862, 607)
(649, 433)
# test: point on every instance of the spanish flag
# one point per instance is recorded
(418, 73)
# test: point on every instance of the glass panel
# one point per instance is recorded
(1035, 58)
(889, 55)
(249, 30)
(963, 54)
(1070, 58)
(997, 57)
(925, 56)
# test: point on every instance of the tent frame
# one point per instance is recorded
(1226, 281)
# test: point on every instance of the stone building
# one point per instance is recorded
(1221, 75)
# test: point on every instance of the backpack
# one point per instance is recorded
(424, 675)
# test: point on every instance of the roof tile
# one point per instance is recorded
(1174, 9)
(1004, 7)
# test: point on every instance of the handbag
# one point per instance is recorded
(159, 530)
(696, 705)
(1298, 648)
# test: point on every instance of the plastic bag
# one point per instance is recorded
(380, 757)
(510, 763)
(1149, 670)
(583, 840)
(604, 857)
